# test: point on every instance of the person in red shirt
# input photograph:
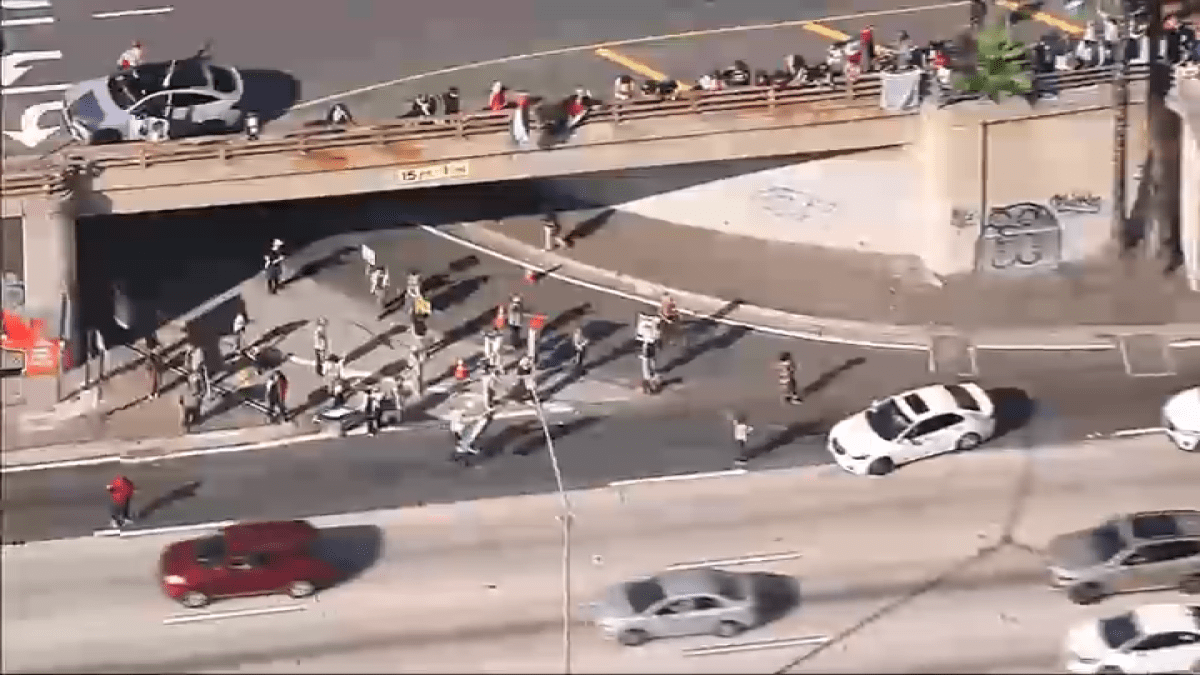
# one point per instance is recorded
(120, 490)
(499, 97)
(866, 43)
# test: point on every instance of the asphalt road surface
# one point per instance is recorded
(906, 574)
(171, 264)
(324, 51)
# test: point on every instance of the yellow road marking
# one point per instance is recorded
(637, 66)
(825, 31)
(1048, 19)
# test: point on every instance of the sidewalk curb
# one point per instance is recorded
(155, 449)
(785, 324)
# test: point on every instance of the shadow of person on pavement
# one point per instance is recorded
(384, 339)
(722, 340)
(314, 267)
(458, 292)
(565, 318)
(787, 436)
(464, 330)
(172, 496)
(537, 439)
(589, 226)
(829, 376)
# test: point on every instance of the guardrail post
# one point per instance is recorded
(221, 153)
(460, 126)
(616, 113)
(142, 159)
(771, 96)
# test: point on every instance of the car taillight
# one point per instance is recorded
(174, 580)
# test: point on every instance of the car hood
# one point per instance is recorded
(1072, 551)
(177, 558)
(1183, 410)
(857, 437)
(1085, 641)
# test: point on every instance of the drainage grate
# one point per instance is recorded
(1146, 355)
(952, 355)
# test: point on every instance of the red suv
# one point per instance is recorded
(246, 559)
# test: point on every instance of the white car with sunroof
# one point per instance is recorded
(913, 425)
(1162, 638)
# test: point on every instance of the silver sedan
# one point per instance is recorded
(677, 603)
(155, 101)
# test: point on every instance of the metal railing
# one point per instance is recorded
(863, 93)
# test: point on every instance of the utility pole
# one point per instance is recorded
(1121, 130)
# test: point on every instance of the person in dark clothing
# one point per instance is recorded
(372, 410)
(786, 370)
(451, 104)
(120, 491)
(273, 267)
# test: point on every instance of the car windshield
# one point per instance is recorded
(1119, 630)
(87, 110)
(728, 586)
(122, 89)
(643, 594)
(887, 420)
(1107, 541)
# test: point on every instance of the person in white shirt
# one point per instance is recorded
(132, 57)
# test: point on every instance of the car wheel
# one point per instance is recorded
(1190, 585)
(633, 637)
(728, 629)
(881, 467)
(968, 442)
(1085, 594)
(1110, 670)
(301, 589)
(194, 599)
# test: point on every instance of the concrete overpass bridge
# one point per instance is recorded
(957, 150)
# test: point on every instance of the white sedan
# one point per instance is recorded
(913, 425)
(1181, 418)
(1150, 639)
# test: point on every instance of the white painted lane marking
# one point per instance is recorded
(12, 66)
(24, 4)
(172, 529)
(1129, 433)
(34, 89)
(133, 12)
(740, 560)
(235, 614)
(678, 477)
(34, 21)
(622, 43)
(757, 645)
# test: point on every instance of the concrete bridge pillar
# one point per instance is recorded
(950, 154)
(51, 286)
(1185, 102)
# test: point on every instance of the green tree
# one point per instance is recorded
(1001, 67)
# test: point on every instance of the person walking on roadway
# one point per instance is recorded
(412, 290)
(120, 492)
(786, 370)
(493, 343)
(273, 266)
(515, 316)
(579, 343)
(321, 345)
(372, 409)
(379, 280)
(239, 331)
(741, 436)
(132, 57)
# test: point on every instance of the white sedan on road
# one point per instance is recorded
(1150, 639)
(1181, 417)
(913, 425)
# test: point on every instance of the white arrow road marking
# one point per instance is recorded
(31, 134)
(12, 66)
(24, 4)
(34, 89)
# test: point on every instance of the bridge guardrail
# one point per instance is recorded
(863, 93)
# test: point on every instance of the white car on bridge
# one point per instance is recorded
(913, 425)
(1181, 419)
(1150, 639)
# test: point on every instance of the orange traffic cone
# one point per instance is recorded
(460, 370)
(532, 275)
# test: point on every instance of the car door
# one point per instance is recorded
(154, 106)
(931, 436)
(707, 613)
(199, 109)
(247, 575)
(1164, 653)
(672, 618)
(1157, 565)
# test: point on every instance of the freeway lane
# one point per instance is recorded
(476, 587)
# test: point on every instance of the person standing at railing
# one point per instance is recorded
(623, 89)
(499, 97)
(451, 104)
(132, 57)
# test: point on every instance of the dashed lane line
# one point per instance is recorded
(1049, 19)
(631, 64)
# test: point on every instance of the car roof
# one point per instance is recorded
(1166, 618)
(281, 534)
(702, 581)
(930, 400)
(1150, 525)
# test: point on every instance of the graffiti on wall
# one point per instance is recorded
(1075, 202)
(961, 218)
(791, 204)
(1021, 236)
